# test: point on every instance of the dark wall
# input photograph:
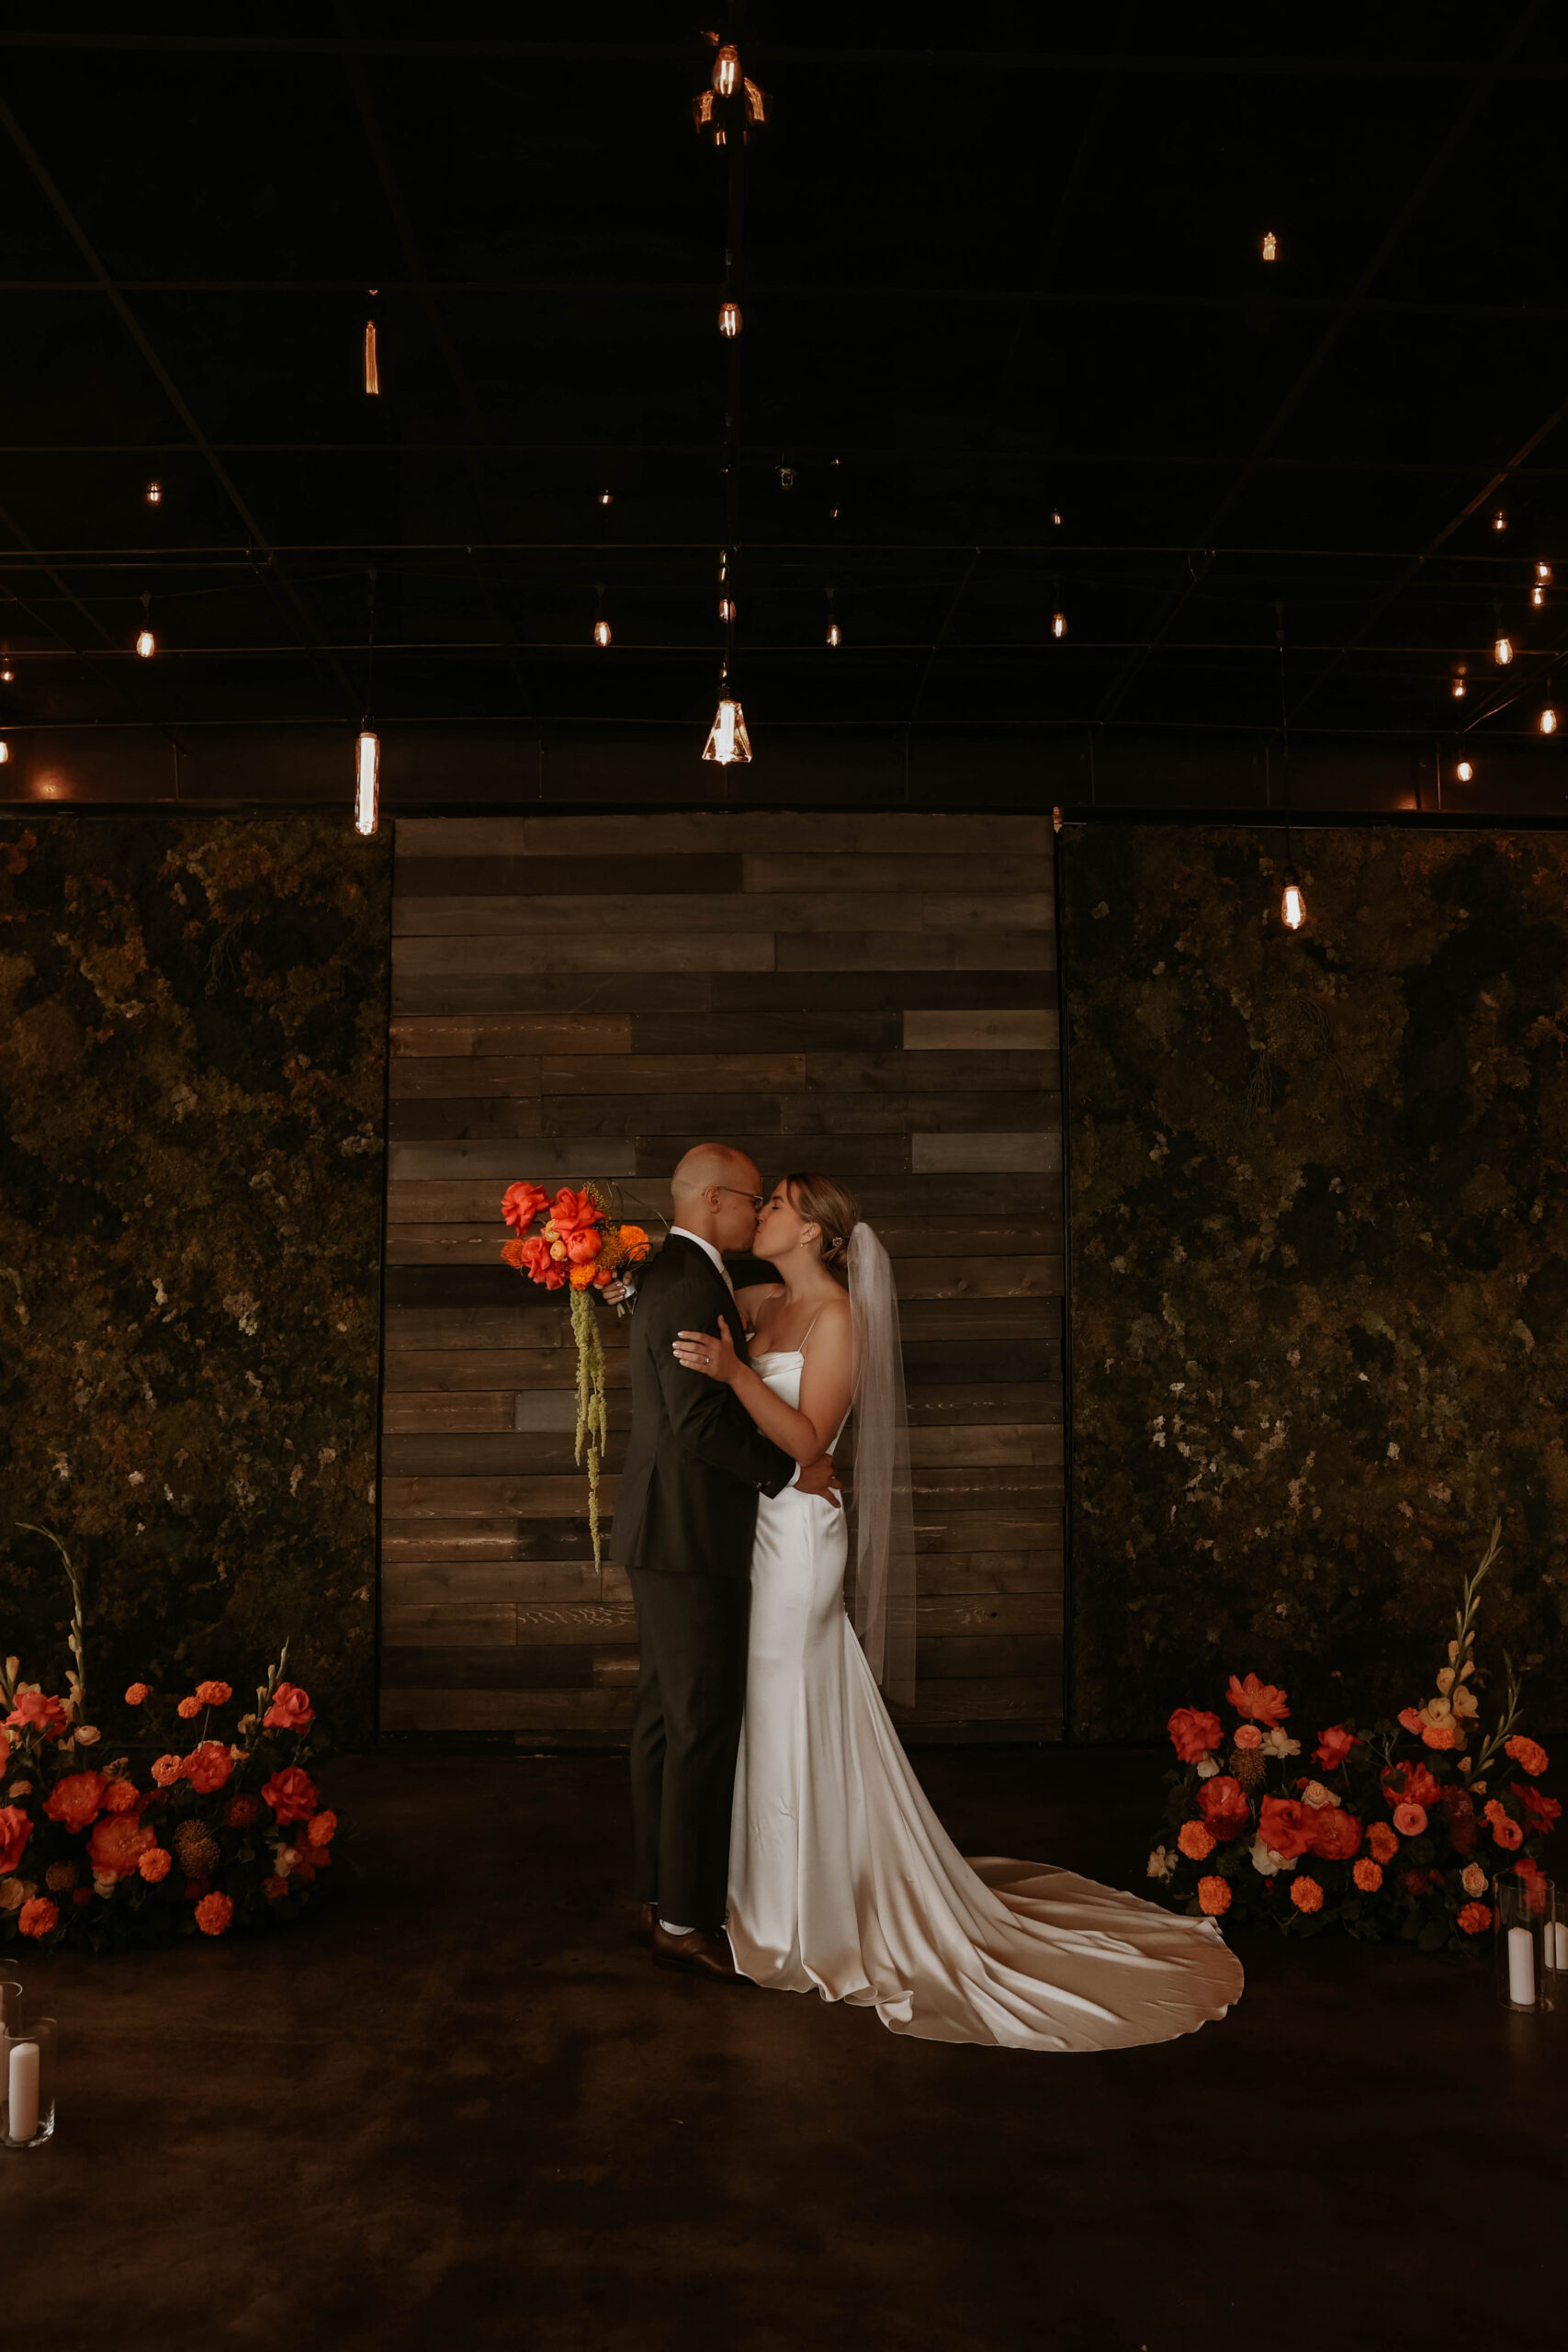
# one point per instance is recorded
(1319, 1252)
(193, 1022)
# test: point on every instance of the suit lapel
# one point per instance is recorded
(724, 1296)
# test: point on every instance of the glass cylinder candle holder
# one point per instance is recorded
(10, 2018)
(27, 2120)
(1554, 1941)
(1525, 1926)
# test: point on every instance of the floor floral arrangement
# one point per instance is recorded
(231, 1833)
(1401, 1829)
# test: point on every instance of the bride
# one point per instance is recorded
(841, 1876)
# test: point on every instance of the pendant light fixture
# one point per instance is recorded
(1464, 771)
(146, 643)
(367, 743)
(1547, 722)
(728, 741)
(372, 371)
(602, 631)
(154, 494)
(1292, 906)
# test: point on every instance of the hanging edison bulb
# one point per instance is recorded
(600, 634)
(6, 672)
(154, 494)
(602, 631)
(1292, 906)
(726, 609)
(372, 372)
(1459, 686)
(367, 781)
(1058, 623)
(1502, 651)
(729, 320)
(146, 644)
(1500, 520)
(1464, 771)
(4, 754)
(1543, 574)
(728, 743)
(1055, 518)
(726, 70)
(606, 497)
(1548, 720)
(1538, 595)
(1270, 245)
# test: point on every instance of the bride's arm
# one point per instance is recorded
(825, 1382)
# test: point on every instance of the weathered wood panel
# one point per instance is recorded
(863, 993)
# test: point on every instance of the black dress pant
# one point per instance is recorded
(690, 1697)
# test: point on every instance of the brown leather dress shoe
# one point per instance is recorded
(701, 1953)
(647, 1919)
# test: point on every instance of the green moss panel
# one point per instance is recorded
(193, 1037)
(1319, 1260)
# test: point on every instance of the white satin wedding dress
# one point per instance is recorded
(842, 1877)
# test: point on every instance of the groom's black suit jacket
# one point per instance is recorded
(696, 1462)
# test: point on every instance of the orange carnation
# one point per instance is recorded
(214, 1694)
(1382, 1843)
(1438, 1735)
(1529, 1754)
(121, 1797)
(1195, 1840)
(137, 1694)
(213, 1914)
(322, 1829)
(1475, 1918)
(634, 1244)
(584, 1277)
(38, 1918)
(155, 1864)
(1213, 1896)
(1366, 1875)
(1306, 1894)
(189, 1708)
(1261, 1700)
(76, 1800)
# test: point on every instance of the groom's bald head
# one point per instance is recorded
(712, 1188)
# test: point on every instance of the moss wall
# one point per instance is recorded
(192, 1050)
(1319, 1261)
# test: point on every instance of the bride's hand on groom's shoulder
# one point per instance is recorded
(709, 1353)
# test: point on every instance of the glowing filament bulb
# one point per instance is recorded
(1500, 520)
(4, 754)
(6, 673)
(1056, 519)
(367, 781)
(1548, 721)
(146, 644)
(1543, 574)
(1538, 595)
(1270, 245)
(1503, 652)
(372, 373)
(1464, 771)
(728, 742)
(606, 497)
(1058, 624)
(726, 70)
(1292, 906)
(835, 634)
(1459, 688)
(154, 494)
(727, 608)
(730, 318)
(600, 633)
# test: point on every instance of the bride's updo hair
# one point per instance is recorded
(822, 1199)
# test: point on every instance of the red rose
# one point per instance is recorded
(1260, 1700)
(1286, 1827)
(207, 1767)
(1336, 1834)
(292, 1794)
(15, 1831)
(76, 1800)
(1194, 1733)
(119, 1842)
(1223, 1804)
(290, 1709)
(521, 1204)
(1543, 1812)
(1333, 1747)
(1411, 1784)
(33, 1712)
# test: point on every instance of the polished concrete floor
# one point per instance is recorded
(465, 2111)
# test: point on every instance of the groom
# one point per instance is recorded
(684, 1524)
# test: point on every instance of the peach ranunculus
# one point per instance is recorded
(38, 1918)
(118, 1844)
(121, 1797)
(1439, 1735)
(1473, 1878)
(1248, 1736)
(35, 1712)
(1508, 1833)
(1285, 1826)
(1259, 1700)
(242, 1811)
(1213, 1896)
(155, 1864)
(138, 1695)
(1411, 1718)
(1224, 1805)
(1366, 1875)
(15, 1831)
(76, 1800)
(1306, 1894)
(1410, 1820)
(214, 1694)
(1528, 1754)
(1195, 1841)
(1193, 1733)
(207, 1767)
(1333, 1747)
(1335, 1835)
(289, 1709)
(188, 1707)
(213, 1914)
(166, 1769)
(292, 1794)
(322, 1829)
(521, 1204)
(1476, 1918)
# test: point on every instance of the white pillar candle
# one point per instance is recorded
(22, 2081)
(1557, 1945)
(1521, 1969)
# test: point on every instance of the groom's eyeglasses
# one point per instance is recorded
(758, 1200)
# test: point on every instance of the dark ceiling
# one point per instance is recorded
(983, 287)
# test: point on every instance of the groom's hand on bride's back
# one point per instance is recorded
(819, 1478)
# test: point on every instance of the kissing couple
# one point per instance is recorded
(780, 1833)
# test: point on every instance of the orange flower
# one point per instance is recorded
(1223, 1804)
(121, 1797)
(1193, 1732)
(213, 1914)
(5, 1750)
(1335, 1835)
(583, 1277)
(290, 1709)
(322, 1829)
(214, 1694)
(33, 1712)
(1260, 1700)
(1508, 1833)
(1333, 1747)
(15, 1831)
(1366, 1875)
(167, 1770)
(1306, 1894)
(292, 1794)
(1213, 1896)
(1410, 1819)
(1438, 1735)
(1410, 1717)
(1382, 1843)
(1248, 1736)
(1475, 1918)
(1286, 1827)
(155, 1864)
(76, 1800)
(38, 1918)
(208, 1766)
(117, 1843)
(1195, 1841)
(521, 1204)
(582, 1246)
(533, 1258)
(189, 1708)
(242, 1811)
(573, 1212)
(635, 1245)
(1529, 1754)
(137, 1694)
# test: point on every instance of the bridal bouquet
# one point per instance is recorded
(1399, 1829)
(582, 1245)
(230, 1832)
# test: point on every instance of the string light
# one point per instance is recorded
(1502, 651)
(729, 320)
(6, 672)
(601, 632)
(146, 643)
(728, 743)
(4, 754)
(367, 781)
(1270, 246)
(1056, 519)
(1459, 685)
(1543, 574)
(1464, 772)
(154, 494)
(1548, 720)
(1058, 623)
(835, 634)
(606, 497)
(1292, 906)
(372, 372)
(727, 70)
(1538, 597)
(1500, 520)
(726, 609)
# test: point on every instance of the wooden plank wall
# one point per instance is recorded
(870, 994)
